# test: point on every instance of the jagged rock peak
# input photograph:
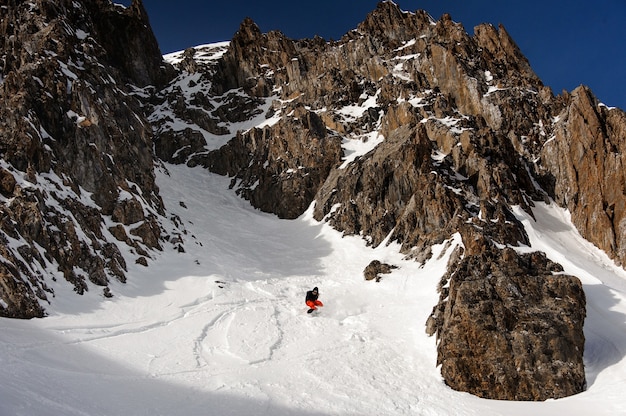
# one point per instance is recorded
(123, 34)
(503, 48)
(250, 51)
(138, 9)
(390, 22)
(248, 32)
(126, 35)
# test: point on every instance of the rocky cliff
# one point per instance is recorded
(407, 130)
(77, 163)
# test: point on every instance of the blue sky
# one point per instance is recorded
(568, 43)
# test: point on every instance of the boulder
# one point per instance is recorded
(375, 269)
(509, 326)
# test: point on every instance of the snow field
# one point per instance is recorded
(222, 328)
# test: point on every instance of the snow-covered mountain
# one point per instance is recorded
(222, 329)
(409, 152)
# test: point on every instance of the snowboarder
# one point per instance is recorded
(311, 300)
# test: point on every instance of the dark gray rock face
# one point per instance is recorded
(75, 144)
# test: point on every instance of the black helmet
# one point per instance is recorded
(315, 289)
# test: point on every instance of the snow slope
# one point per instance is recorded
(222, 329)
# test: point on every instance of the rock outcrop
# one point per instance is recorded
(375, 269)
(279, 168)
(509, 326)
(583, 163)
(77, 163)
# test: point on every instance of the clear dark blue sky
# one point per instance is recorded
(568, 42)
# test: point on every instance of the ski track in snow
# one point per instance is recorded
(222, 329)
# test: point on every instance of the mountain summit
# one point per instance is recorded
(407, 130)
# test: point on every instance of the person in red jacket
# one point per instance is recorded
(311, 300)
